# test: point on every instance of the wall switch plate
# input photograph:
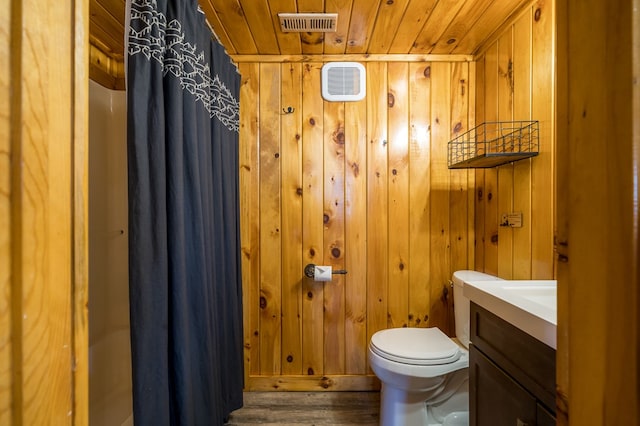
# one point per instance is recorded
(513, 220)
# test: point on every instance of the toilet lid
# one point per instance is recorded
(417, 346)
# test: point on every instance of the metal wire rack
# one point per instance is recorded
(494, 143)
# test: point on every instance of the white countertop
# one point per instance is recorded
(530, 305)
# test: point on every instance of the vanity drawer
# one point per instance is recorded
(529, 361)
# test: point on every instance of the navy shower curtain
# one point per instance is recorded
(185, 284)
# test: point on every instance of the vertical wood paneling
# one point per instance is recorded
(439, 196)
(505, 172)
(377, 199)
(42, 183)
(6, 378)
(420, 217)
(292, 267)
(480, 189)
(334, 303)
(312, 219)
(471, 176)
(518, 85)
(491, 175)
(563, 204)
(249, 213)
(458, 185)
(420, 192)
(80, 213)
(270, 220)
(522, 169)
(366, 189)
(43, 224)
(356, 237)
(598, 218)
(543, 110)
(398, 149)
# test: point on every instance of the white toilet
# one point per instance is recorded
(424, 373)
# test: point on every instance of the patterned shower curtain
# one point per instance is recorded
(185, 283)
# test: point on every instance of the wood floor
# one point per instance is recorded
(308, 408)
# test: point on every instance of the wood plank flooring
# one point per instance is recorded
(308, 408)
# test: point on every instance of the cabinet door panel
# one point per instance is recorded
(529, 361)
(491, 388)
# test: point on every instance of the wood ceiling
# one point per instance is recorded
(365, 27)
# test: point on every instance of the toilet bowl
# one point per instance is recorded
(424, 373)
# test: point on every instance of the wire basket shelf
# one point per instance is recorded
(494, 143)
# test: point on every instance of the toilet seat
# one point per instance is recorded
(415, 346)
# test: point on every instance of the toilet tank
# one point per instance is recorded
(461, 303)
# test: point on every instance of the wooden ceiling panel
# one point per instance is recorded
(311, 43)
(106, 25)
(336, 43)
(465, 19)
(259, 20)
(250, 29)
(218, 28)
(441, 17)
(361, 24)
(231, 16)
(389, 21)
(115, 9)
(493, 17)
(288, 42)
(415, 17)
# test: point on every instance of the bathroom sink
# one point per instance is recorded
(530, 305)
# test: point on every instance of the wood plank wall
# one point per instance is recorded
(598, 379)
(364, 186)
(44, 56)
(361, 186)
(515, 81)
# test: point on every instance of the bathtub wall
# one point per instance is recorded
(110, 401)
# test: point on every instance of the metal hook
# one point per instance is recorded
(288, 110)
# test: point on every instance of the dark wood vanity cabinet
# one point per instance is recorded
(511, 374)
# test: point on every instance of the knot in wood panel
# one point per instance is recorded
(537, 14)
(391, 99)
(335, 252)
(355, 168)
(338, 136)
(326, 382)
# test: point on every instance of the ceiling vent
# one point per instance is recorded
(308, 22)
(343, 81)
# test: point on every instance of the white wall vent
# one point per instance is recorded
(343, 81)
(308, 22)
